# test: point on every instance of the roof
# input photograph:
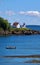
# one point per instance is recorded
(15, 23)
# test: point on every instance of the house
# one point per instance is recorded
(16, 25)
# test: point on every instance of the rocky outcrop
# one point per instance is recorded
(25, 32)
(5, 33)
(33, 61)
(28, 32)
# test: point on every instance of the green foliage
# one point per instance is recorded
(9, 27)
(20, 29)
(4, 24)
(1, 29)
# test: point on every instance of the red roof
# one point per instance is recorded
(15, 23)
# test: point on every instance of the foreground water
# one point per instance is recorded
(25, 46)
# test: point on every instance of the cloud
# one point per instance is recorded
(21, 12)
(9, 13)
(32, 13)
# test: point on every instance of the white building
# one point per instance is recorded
(16, 25)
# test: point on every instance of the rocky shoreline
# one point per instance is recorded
(33, 61)
(27, 32)
(33, 58)
(22, 56)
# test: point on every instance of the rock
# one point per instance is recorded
(24, 32)
(28, 32)
(33, 61)
(17, 33)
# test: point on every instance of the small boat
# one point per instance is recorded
(10, 47)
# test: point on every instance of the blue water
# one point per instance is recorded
(25, 45)
(34, 27)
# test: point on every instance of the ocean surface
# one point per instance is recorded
(25, 45)
(34, 27)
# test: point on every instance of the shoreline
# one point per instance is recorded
(21, 56)
(25, 32)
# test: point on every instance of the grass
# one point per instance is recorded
(19, 29)
(16, 29)
(1, 29)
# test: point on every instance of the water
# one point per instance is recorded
(25, 45)
(34, 27)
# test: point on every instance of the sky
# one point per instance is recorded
(21, 11)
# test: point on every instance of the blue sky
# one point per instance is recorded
(27, 11)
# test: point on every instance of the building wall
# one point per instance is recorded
(18, 26)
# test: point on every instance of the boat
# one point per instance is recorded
(10, 47)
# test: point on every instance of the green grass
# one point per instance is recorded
(16, 29)
(1, 29)
(19, 29)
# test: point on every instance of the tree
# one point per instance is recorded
(9, 27)
(4, 23)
